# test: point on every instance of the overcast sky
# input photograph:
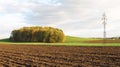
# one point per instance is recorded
(80, 18)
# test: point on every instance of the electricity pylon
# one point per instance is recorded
(104, 18)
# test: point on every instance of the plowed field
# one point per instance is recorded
(58, 56)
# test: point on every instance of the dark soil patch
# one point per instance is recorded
(58, 56)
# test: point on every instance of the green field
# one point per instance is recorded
(70, 41)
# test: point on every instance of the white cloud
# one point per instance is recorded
(10, 22)
(82, 17)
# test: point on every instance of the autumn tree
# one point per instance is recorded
(37, 34)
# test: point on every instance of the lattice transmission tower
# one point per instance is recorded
(104, 18)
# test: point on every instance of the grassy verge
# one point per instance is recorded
(63, 44)
(70, 41)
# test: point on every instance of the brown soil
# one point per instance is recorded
(58, 56)
(102, 41)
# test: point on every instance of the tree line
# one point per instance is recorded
(37, 34)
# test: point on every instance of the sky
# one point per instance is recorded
(81, 18)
